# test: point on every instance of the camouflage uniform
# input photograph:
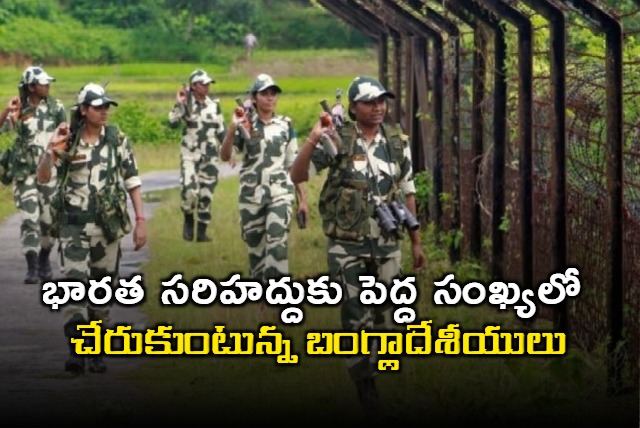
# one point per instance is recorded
(266, 194)
(356, 243)
(199, 151)
(34, 129)
(86, 252)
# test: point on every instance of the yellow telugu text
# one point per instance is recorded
(416, 340)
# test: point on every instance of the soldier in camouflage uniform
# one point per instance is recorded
(373, 166)
(91, 160)
(199, 150)
(266, 191)
(38, 116)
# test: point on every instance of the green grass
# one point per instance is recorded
(156, 158)
(303, 55)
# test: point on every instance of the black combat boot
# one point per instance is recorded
(75, 363)
(187, 228)
(32, 268)
(368, 395)
(44, 267)
(96, 364)
(202, 233)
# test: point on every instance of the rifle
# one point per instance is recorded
(76, 122)
(245, 126)
(331, 141)
(23, 93)
(15, 107)
(187, 92)
(57, 204)
(337, 111)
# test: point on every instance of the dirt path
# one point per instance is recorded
(34, 389)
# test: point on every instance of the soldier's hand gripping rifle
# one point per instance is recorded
(331, 141)
(65, 141)
(185, 96)
(337, 111)
(244, 124)
(15, 105)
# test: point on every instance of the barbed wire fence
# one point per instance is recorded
(516, 119)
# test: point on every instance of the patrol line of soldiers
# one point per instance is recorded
(266, 191)
(369, 168)
(369, 165)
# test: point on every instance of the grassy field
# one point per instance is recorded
(306, 77)
(146, 93)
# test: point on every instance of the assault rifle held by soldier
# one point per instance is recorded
(331, 141)
(241, 113)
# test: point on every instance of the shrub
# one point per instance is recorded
(141, 127)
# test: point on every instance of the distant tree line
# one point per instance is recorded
(122, 30)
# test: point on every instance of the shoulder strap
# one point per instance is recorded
(112, 135)
(395, 140)
(52, 104)
(349, 135)
(71, 153)
(291, 133)
(112, 140)
(216, 103)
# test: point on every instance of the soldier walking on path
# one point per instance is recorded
(266, 191)
(199, 150)
(372, 170)
(37, 114)
(92, 158)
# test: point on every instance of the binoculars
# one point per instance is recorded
(393, 215)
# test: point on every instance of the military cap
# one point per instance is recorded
(93, 94)
(365, 88)
(37, 75)
(262, 82)
(200, 76)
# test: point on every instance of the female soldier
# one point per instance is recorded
(38, 114)
(91, 159)
(203, 131)
(266, 190)
(373, 169)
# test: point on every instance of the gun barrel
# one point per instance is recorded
(325, 106)
(189, 98)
